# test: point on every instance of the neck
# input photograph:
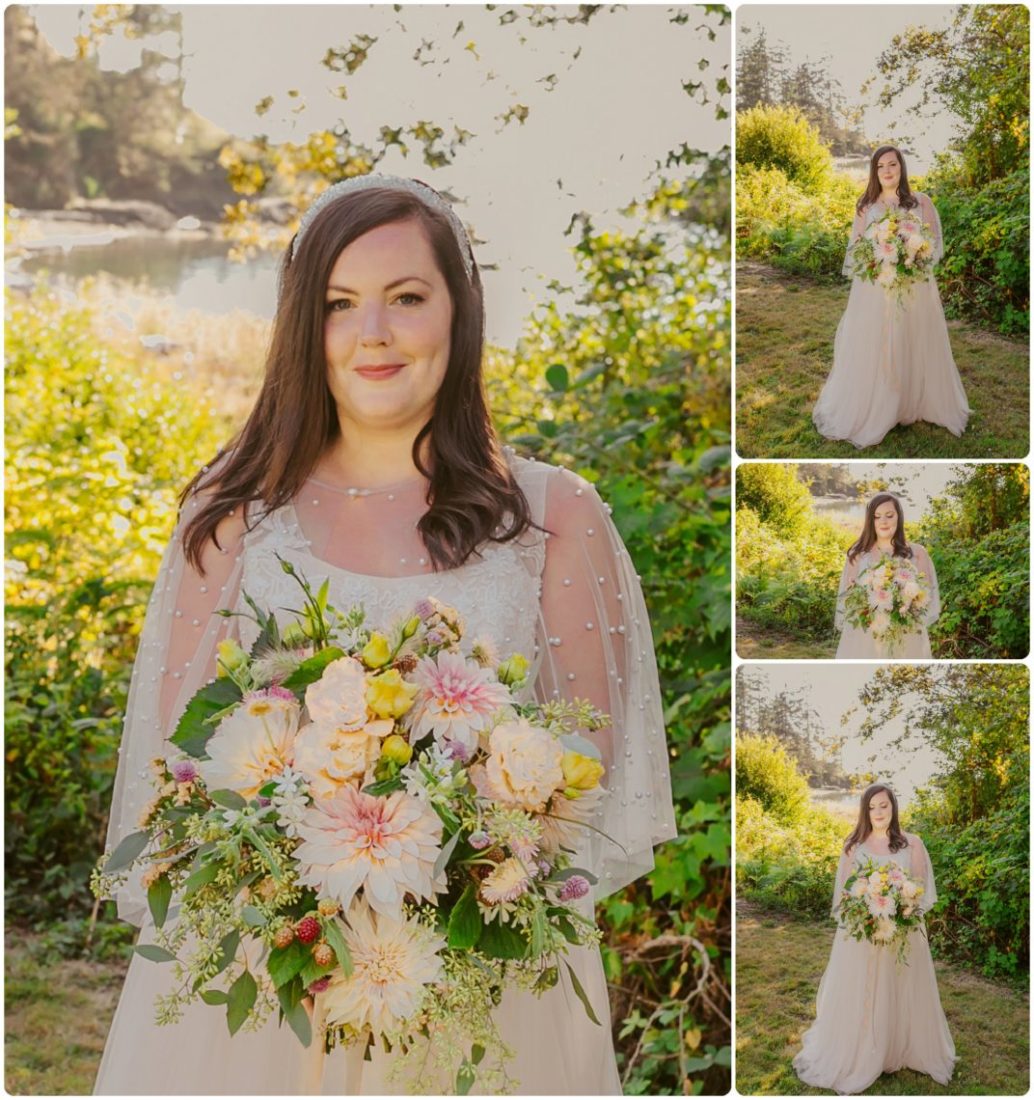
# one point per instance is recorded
(885, 544)
(372, 459)
(889, 194)
(881, 833)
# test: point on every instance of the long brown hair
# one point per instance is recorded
(472, 497)
(867, 539)
(863, 827)
(874, 188)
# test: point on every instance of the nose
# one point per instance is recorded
(374, 328)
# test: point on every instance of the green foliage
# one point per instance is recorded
(781, 137)
(775, 494)
(97, 447)
(768, 775)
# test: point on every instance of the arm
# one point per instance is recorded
(857, 229)
(175, 657)
(922, 870)
(925, 565)
(596, 644)
(847, 578)
(844, 868)
(930, 217)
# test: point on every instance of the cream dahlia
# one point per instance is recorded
(338, 698)
(457, 698)
(393, 963)
(562, 821)
(386, 846)
(330, 757)
(253, 744)
(506, 883)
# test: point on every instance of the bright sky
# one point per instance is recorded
(832, 690)
(852, 37)
(614, 110)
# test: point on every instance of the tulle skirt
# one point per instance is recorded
(861, 644)
(892, 364)
(557, 1048)
(876, 1015)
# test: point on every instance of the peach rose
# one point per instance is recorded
(524, 766)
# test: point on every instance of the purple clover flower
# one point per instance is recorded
(480, 840)
(185, 771)
(319, 985)
(577, 886)
(424, 609)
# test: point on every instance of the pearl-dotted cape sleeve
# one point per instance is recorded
(857, 229)
(847, 578)
(175, 657)
(922, 869)
(595, 643)
(933, 222)
(924, 563)
(844, 869)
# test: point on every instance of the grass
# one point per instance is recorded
(754, 642)
(785, 326)
(56, 1017)
(779, 961)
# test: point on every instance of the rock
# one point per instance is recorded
(125, 212)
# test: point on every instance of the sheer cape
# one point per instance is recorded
(567, 596)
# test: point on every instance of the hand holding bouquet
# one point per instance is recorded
(888, 600)
(881, 904)
(895, 252)
(374, 825)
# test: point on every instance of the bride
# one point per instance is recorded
(892, 361)
(883, 535)
(370, 459)
(876, 1014)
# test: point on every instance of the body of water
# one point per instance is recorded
(838, 801)
(850, 513)
(195, 274)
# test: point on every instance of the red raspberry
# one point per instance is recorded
(308, 929)
(284, 936)
(323, 954)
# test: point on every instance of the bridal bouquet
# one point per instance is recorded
(895, 252)
(888, 599)
(881, 904)
(369, 833)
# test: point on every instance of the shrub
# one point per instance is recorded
(781, 137)
(776, 494)
(767, 773)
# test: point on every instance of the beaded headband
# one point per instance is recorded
(424, 192)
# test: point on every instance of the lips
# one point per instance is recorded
(379, 372)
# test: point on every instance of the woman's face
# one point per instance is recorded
(386, 330)
(885, 519)
(880, 811)
(888, 169)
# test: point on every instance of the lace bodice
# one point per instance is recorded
(497, 593)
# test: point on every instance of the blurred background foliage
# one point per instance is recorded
(794, 211)
(973, 815)
(790, 557)
(623, 376)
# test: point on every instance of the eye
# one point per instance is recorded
(338, 305)
(410, 298)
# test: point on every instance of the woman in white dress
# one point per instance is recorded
(892, 360)
(883, 535)
(370, 460)
(874, 1013)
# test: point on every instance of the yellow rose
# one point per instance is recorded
(388, 695)
(231, 657)
(396, 749)
(513, 670)
(581, 773)
(377, 651)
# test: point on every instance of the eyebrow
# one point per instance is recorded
(390, 286)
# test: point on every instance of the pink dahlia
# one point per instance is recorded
(457, 698)
(881, 905)
(385, 846)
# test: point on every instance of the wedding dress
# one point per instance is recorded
(858, 643)
(875, 1014)
(892, 362)
(566, 595)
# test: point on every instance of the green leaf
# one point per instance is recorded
(332, 931)
(500, 941)
(201, 877)
(443, 856)
(128, 849)
(193, 730)
(298, 1021)
(159, 894)
(241, 1000)
(581, 994)
(477, 1052)
(252, 917)
(155, 953)
(309, 671)
(465, 924)
(556, 376)
(227, 950)
(284, 963)
(464, 1079)
(229, 800)
(215, 996)
(385, 786)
